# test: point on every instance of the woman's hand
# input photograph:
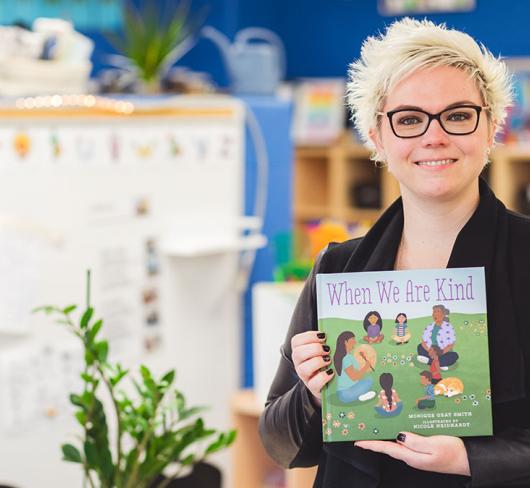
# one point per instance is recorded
(310, 355)
(439, 453)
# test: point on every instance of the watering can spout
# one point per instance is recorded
(222, 42)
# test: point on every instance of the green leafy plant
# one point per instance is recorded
(153, 430)
(155, 36)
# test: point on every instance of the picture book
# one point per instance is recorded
(409, 350)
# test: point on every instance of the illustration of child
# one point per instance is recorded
(426, 401)
(372, 325)
(434, 353)
(389, 404)
(402, 334)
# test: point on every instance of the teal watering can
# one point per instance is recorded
(254, 68)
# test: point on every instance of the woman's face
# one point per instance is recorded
(463, 157)
(372, 319)
(401, 319)
(350, 343)
(437, 315)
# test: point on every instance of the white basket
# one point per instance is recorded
(19, 77)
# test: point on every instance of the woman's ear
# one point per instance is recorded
(492, 129)
(375, 139)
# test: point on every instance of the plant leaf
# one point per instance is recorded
(69, 309)
(85, 319)
(71, 454)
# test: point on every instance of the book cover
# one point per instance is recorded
(410, 353)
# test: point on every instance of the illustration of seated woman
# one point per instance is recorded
(439, 333)
(426, 401)
(402, 333)
(389, 404)
(352, 384)
(372, 325)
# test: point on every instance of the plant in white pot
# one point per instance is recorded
(154, 37)
(153, 428)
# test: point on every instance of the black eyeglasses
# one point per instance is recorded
(459, 120)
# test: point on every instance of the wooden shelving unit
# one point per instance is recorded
(250, 461)
(324, 182)
(509, 175)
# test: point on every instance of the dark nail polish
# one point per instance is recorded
(329, 372)
(401, 437)
(326, 358)
(326, 348)
(321, 335)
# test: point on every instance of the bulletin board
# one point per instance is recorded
(125, 195)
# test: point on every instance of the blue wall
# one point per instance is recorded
(323, 36)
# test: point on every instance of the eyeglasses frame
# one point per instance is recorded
(432, 117)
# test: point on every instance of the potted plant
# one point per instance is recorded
(154, 37)
(153, 428)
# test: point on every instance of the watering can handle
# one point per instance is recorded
(259, 33)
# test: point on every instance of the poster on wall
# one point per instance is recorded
(405, 7)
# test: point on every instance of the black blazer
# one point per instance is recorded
(499, 240)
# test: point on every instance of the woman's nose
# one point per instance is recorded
(435, 135)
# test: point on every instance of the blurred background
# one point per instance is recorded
(195, 156)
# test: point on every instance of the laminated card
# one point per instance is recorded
(410, 353)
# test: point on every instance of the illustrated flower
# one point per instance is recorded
(402, 356)
(324, 422)
(329, 416)
(336, 424)
(466, 322)
(464, 397)
(488, 391)
(345, 432)
(361, 426)
(409, 358)
(394, 357)
(475, 403)
(457, 400)
(411, 365)
(342, 415)
(488, 397)
(394, 363)
(375, 431)
(402, 362)
(481, 321)
(329, 432)
(472, 396)
(389, 361)
(351, 415)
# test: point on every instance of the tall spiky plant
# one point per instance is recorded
(154, 429)
(155, 36)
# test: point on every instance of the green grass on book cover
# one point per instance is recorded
(402, 391)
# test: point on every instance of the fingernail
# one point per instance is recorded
(326, 358)
(401, 437)
(326, 348)
(329, 372)
(321, 335)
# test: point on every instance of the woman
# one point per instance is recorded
(401, 333)
(352, 384)
(389, 404)
(428, 101)
(439, 333)
(373, 323)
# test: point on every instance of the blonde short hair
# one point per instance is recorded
(409, 45)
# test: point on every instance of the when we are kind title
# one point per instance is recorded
(445, 290)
